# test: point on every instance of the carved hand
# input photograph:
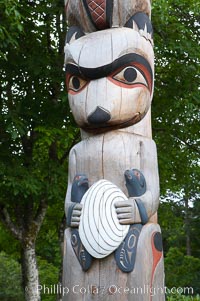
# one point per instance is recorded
(74, 214)
(126, 211)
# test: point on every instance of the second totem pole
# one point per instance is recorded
(113, 245)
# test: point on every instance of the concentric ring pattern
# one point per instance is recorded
(99, 230)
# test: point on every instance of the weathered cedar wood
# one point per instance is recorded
(105, 153)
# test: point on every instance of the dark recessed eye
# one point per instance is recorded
(76, 83)
(130, 76)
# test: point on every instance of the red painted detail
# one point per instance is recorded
(72, 91)
(134, 85)
(127, 86)
(98, 12)
(157, 255)
(148, 77)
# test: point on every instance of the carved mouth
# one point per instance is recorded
(101, 128)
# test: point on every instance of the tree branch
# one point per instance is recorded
(41, 212)
(6, 220)
(30, 236)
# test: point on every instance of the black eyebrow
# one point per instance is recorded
(104, 71)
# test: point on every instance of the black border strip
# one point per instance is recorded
(109, 12)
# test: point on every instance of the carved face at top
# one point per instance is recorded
(109, 77)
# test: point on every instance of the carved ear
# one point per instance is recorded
(74, 33)
(143, 24)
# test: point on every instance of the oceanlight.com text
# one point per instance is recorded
(113, 289)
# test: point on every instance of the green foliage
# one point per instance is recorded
(48, 280)
(182, 271)
(10, 279)
(36, 127)
(48, 245)
(194, 228)
(176, 97)
(9, 245)
(11, 25)
(171, 220)
(178, 297)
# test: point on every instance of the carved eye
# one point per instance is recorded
(130, 76)
(75, 83)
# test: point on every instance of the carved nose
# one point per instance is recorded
(99, 116)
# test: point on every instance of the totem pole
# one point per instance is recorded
(113, 244)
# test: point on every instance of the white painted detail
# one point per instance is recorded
(100, 230)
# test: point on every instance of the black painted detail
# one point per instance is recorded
(125, 255)
(106, 70)
(109, 12)
(84, 258)
(76, 82)
(135, 182)
(74, 31)
(142, 211)
(99, 129)
(99, 116)
(158, 241)
(142, 20)
(130, 74)
(80, 185)
(136, 186)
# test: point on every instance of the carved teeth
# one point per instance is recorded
(135, 27)
(144, 33)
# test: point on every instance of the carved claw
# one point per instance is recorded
(125, 255)
(84, 258)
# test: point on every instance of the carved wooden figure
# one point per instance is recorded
(92, 15)
(113, 245)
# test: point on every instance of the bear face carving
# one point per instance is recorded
(109, 77)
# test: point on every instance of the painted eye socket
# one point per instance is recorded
(75, 83)
(129, 77)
